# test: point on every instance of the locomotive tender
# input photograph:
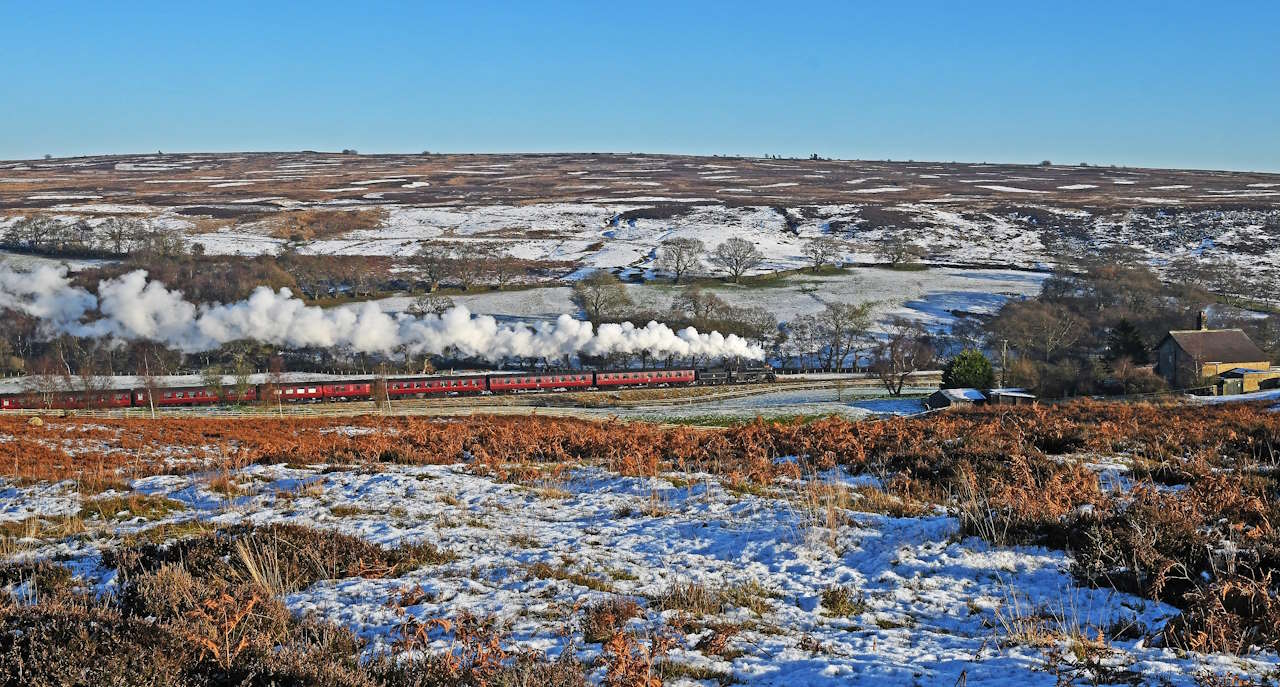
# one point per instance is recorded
(364, 388)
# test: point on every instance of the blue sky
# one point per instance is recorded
(1179, 84)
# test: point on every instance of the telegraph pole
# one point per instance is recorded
(1004, 362)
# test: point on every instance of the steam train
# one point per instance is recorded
(363, 389)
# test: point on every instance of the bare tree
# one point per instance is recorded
(700, 305)
(821, 250)
(1038, 329)
(736, 256)
(430, 304)
(500, 267)
(756, 323)
(905, 349)
(240, 378)
(32, 233)
(92, 385)
(150, 382)
(679, 255)
(896, 249)
(435, 262)
(470, 263)
(600, 295)
(211, 380)
(272, 391)
(43, 382)
(841, 326)
(381, 398)
(117, 233)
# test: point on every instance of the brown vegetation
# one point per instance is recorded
(1013, 475)
(310, 225)
(198, 614)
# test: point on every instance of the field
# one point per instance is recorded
(1081, 544)
(576, 212)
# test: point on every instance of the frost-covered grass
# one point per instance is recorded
(799, 553)
(931, 295)
(918, 601)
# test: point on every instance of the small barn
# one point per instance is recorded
(1010, 396)
(950, 398)
(1187, 358)
(1243, 380)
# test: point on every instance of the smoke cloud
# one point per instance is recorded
(132, 308)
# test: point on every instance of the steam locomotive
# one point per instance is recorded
(364, 388)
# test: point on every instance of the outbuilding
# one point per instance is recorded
(1243, 380)
(949, 398)
(1010, 396)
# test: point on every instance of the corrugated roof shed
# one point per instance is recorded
(971, 395)
(1011, 391)
(1218, 345)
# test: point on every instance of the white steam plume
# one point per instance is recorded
(130, 308)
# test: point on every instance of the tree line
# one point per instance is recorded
(1093, 327)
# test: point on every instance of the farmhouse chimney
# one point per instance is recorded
(1202, 321)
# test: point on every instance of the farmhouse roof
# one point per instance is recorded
(1217, 345)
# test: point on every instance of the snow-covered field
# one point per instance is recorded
(932, 606)
(612, 212)
(855, 404)
(931, 296)
(953, 232)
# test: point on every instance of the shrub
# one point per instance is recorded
(693, 597)
(44, 578)
(603, 619)
(968, 370)
(843, 600)
(277, 558)
(307, 225)
(1234, 615)
(57, 644)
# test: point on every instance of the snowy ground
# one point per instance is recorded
(851, 403)
(931, 601)
(25, 262)
(952, 231)
(610, 211)
(930, 296)
(1272, 395)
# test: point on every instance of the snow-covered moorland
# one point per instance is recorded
(805, 573)
(613, 211)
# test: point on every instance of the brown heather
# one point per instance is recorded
(1012, 475)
